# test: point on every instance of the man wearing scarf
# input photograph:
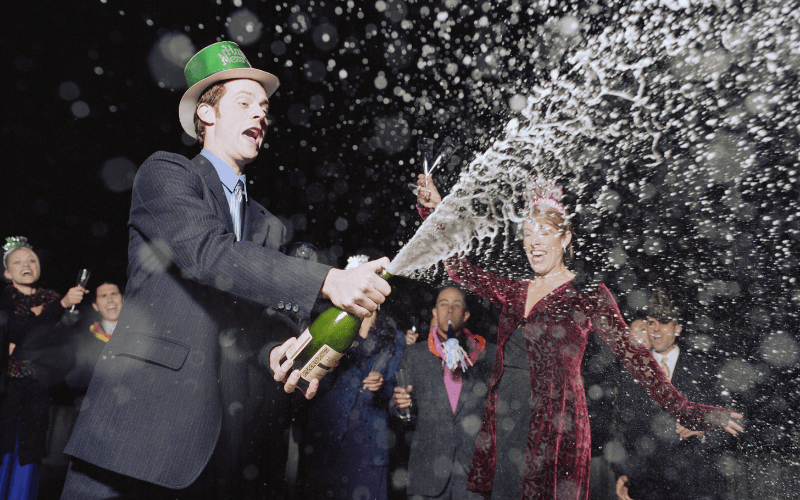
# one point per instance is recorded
(447, 383)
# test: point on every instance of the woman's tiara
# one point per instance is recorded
(13, 243)
(541, 191)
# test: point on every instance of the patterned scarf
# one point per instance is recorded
(24, 368)
(478, 344)
(24, 303)
(453, 378)
(97, 331)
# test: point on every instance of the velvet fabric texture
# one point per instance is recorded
(558, 451)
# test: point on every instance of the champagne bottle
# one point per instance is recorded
(319, 349)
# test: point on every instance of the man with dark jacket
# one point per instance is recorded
(663, 459)
(162, 417)
(446, 403)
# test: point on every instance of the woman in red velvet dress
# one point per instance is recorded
(534, 441)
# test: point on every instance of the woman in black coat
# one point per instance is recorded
(36, 350)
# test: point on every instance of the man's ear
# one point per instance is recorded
(7, 274)
(206, 113)
(466, 317)
(435, 313)
(678, 330)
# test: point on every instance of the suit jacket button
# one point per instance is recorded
(288, 306)
(295, 308)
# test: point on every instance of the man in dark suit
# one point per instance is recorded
(601, 370)
(663, 460)
(161, 417)
(447, 404)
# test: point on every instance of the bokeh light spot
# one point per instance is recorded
(118, 174)
(244, 27)
(69, 91)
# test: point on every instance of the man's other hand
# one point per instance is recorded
(282, 370)
(686, 433)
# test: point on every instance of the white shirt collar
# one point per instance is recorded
(672, 359)
(107, 326)
(226, 173)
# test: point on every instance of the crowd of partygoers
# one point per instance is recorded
(174, 385)
(350, 439)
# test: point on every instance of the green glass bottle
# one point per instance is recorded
(319, 349)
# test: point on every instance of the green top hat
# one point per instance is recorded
(217, 62)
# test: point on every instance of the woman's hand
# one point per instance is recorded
(373, 382)
(427, 196)
(733, 427)
(686, 433)
(73, 297)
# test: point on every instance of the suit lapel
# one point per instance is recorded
(437, 381)
(257, 225)
(470, 378)
(212, 180)
(683, 378)
(677, 373)
(466, 388)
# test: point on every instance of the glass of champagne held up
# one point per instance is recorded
(83, 279)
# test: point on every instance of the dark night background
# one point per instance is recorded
(57, 189)
(90, 93)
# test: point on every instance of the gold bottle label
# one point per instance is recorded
(321, 363)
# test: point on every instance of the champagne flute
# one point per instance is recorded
(402, 381)
(83, 279)
(430, 160)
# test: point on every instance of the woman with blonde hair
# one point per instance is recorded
(37, 357)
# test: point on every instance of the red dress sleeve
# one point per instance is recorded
(424, 212)
(478, 280)
(607, 321)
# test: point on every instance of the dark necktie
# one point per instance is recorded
(237, 209)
